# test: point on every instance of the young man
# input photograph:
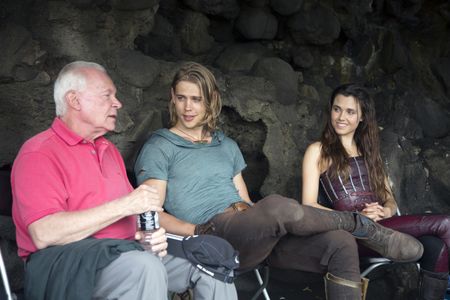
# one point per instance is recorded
(69, 184)
(196, 170)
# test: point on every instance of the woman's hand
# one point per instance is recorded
(374, 211)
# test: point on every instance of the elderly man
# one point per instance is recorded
(74, 207)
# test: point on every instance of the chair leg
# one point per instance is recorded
(375, 263)
(263, 283)
(4, 277)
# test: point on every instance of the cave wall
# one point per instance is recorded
(276, 61)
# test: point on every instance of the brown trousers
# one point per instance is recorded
(290, 236)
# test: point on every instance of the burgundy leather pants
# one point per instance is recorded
(424, 226)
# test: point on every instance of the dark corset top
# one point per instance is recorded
(352, 194)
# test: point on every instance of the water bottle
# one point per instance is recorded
(147, 223)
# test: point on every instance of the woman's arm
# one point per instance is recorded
(311, 175)
(390, 206)
(169, 222)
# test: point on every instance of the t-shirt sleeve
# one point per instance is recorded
(38, 187)
(152, 162)
(239, 162)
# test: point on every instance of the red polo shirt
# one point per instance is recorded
(57, 170)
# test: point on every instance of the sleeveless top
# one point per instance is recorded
(352, 194)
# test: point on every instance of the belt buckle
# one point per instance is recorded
(239, 206)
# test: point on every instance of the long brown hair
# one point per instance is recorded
(196, 73)
(333, 153)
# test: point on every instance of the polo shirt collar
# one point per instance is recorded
(67, 135)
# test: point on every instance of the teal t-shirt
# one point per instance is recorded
(199, 176)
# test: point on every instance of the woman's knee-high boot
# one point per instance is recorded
(432, 285)
(337, 288)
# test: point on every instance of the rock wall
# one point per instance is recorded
(276, 62)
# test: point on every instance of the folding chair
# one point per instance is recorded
(373, 263)
(5, 209)
(9, 295)
(263, 280)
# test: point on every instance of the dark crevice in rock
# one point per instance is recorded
(250, 137)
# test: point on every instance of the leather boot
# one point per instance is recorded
(391, 244)
(394, 245)
(432, 286)
(343, 289)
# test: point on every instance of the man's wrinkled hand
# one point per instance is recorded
(144, 198)
(155, 242)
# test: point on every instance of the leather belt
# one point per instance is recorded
(237, 206)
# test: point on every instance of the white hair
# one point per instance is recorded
(71, 78)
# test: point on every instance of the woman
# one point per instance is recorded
(346, 164)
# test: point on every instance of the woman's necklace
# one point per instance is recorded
(193, 139)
